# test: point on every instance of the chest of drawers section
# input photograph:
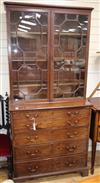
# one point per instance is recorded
(50, 141)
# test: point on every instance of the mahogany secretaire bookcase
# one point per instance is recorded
(50, 116)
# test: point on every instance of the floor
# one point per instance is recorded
(93, 179)
(67, 178)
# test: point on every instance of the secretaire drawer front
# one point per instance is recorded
(45, 136)
(49, 165)
(54, 118)
(27, 153)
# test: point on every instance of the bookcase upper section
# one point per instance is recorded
(48, 51)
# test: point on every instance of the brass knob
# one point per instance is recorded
(75, 133)
(76, 112)
(27, 125)
(32, 154)
(28, 138)
(69, 113)
(70, 164)
(27, 115)
(76, 121)
(36, 137)
(70, 135)
(36, 151)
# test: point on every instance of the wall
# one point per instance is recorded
(94, 58)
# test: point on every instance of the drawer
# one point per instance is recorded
(98, 134)
(45, 136)
(49, 165)
(32, 168)
(69, 163)
(69, 148)
(50, 118)
(32, 137)
(27, 153)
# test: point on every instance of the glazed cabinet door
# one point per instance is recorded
(70, 54)
(48, 52)
(28, 38)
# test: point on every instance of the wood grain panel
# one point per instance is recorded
(49, 165)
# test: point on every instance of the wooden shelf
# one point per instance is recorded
(25, 84)
(30, 34)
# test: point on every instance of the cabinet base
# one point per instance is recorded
(83, 172)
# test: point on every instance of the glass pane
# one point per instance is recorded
(29, 39)
(70, 36)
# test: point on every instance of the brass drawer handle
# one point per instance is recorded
(72, 135)
(27, 126)
(34, 126)
(33, 116)
(32, 139)
(71, 149)
(32, 170)
(73, 123)
(72, 113)
(70, 164)
(75, 133)
(76, 112)
(32, 154)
